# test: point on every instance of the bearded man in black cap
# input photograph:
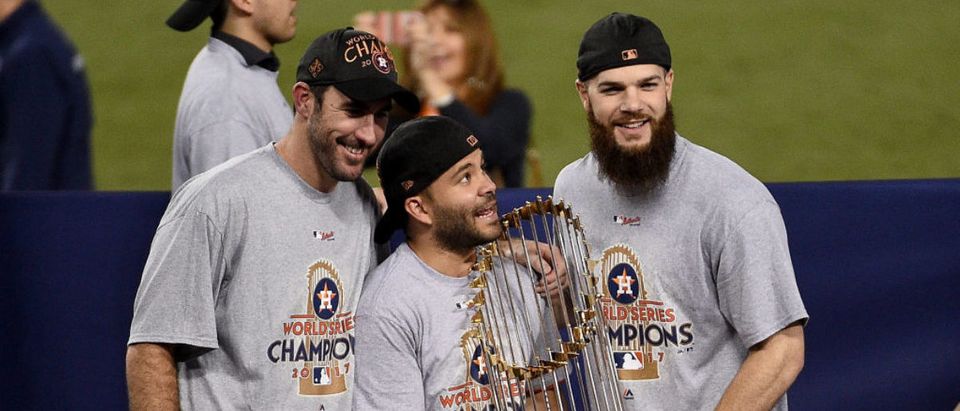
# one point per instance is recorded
(230, 104)
(413, 333)
(703, 305)
(248, 294)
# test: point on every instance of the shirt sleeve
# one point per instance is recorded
(755, 281)
(388, 372)
(213, 145)
(176, 301)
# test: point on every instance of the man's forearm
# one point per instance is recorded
(767, 373)
(152, 378)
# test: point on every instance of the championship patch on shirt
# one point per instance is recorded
(317, 343)
(476, 392)
(642, 327)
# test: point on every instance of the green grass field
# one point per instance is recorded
(791, 90)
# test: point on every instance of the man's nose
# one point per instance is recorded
(488, 188)
(631, 103)
(367, 131)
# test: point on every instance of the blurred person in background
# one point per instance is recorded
(452, 62)
(45, 108)
(231, 104)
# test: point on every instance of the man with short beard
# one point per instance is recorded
(248, 294)
(414, 350)
(700, 294)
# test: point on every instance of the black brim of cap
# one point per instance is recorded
(191, 13)
(370, 89)
(390, 221)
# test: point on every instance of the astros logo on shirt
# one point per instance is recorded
(317, 342)
(478, 367)
(642, 327)
(476, 392)
(623, 284)
(326, 298)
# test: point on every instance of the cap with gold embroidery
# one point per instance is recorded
(358, 64)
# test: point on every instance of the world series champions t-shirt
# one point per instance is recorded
(255, 276)
(694, 273)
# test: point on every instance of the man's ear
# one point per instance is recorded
(584, 97)
(243, 6)
(417, 209)
(668, 82)
(303, 100)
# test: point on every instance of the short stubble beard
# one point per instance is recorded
(324, 149)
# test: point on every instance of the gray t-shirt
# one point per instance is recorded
(227, 108)
(694, 274)
(256, 276)
(415, 350)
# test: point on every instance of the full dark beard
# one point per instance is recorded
(640, 170)
(455, 231)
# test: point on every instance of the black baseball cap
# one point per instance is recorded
(358, 64)
(191, 13)
(416, 154)
(621, 40)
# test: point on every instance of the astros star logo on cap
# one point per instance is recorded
(381, 62)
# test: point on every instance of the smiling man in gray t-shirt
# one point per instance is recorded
(248, 295)
(700, 295)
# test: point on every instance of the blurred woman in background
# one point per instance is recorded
(451, 61)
